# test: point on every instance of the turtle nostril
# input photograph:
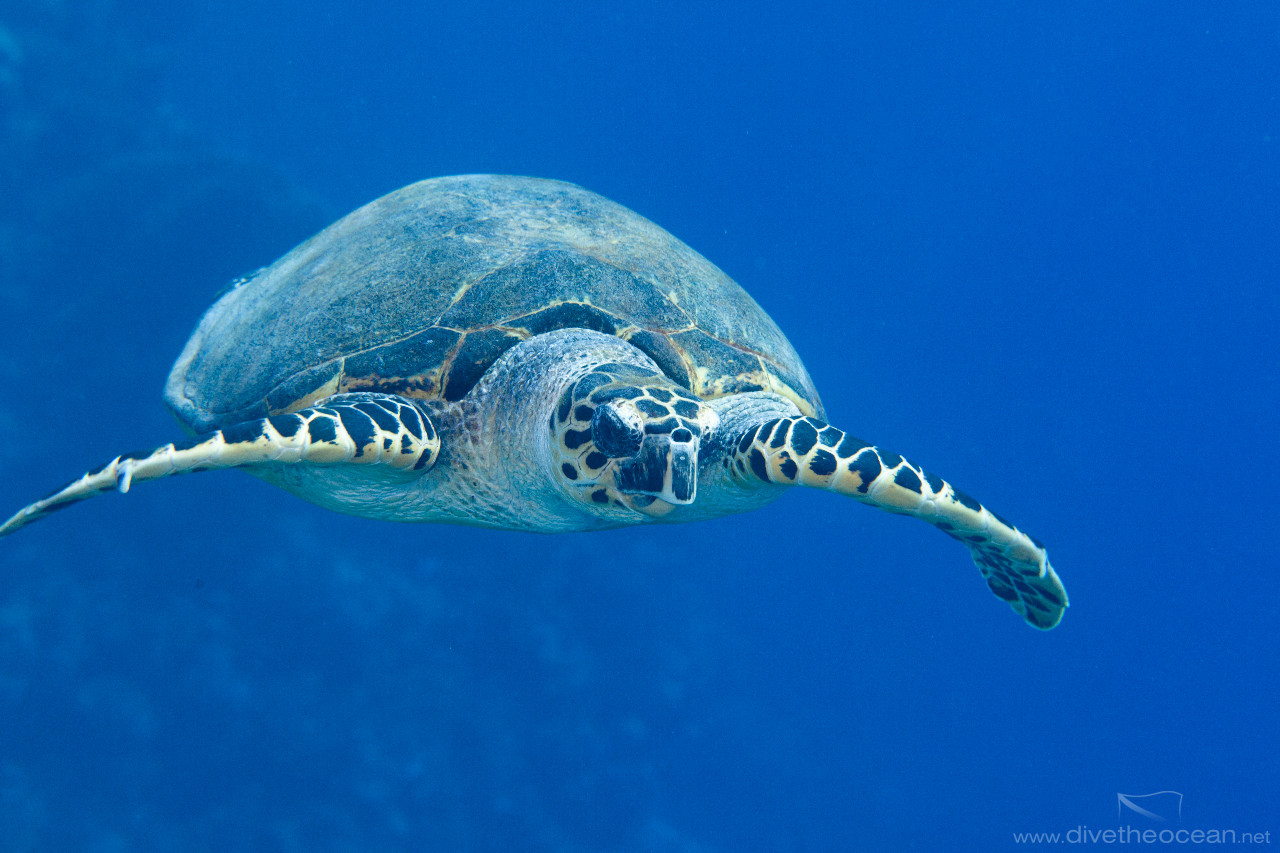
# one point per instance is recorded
(612, 435)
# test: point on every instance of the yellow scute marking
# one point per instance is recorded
(328, 389)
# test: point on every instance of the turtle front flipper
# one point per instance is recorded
(370, 429)
(807, 452)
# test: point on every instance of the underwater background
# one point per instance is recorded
(1035, 247)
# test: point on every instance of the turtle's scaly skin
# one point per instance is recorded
(620, 451)
(806, 451)
(365, 429)
(523, 354)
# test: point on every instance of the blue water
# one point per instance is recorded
(1035, 247)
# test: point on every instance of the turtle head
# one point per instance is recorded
(630, 438)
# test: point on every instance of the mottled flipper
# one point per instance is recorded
(808, 452)
(345, 429)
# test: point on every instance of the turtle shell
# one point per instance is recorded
(419, 292)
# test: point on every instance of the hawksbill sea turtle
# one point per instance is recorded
(521, 353)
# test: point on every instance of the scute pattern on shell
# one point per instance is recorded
(417, 293)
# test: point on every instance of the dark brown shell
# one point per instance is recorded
(417, 293)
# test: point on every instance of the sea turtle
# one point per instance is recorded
(524, 354)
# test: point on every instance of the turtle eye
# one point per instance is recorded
(612, 435)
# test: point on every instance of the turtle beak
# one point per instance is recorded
(666, 467)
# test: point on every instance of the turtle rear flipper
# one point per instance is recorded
(808, 452)
(369, 429)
